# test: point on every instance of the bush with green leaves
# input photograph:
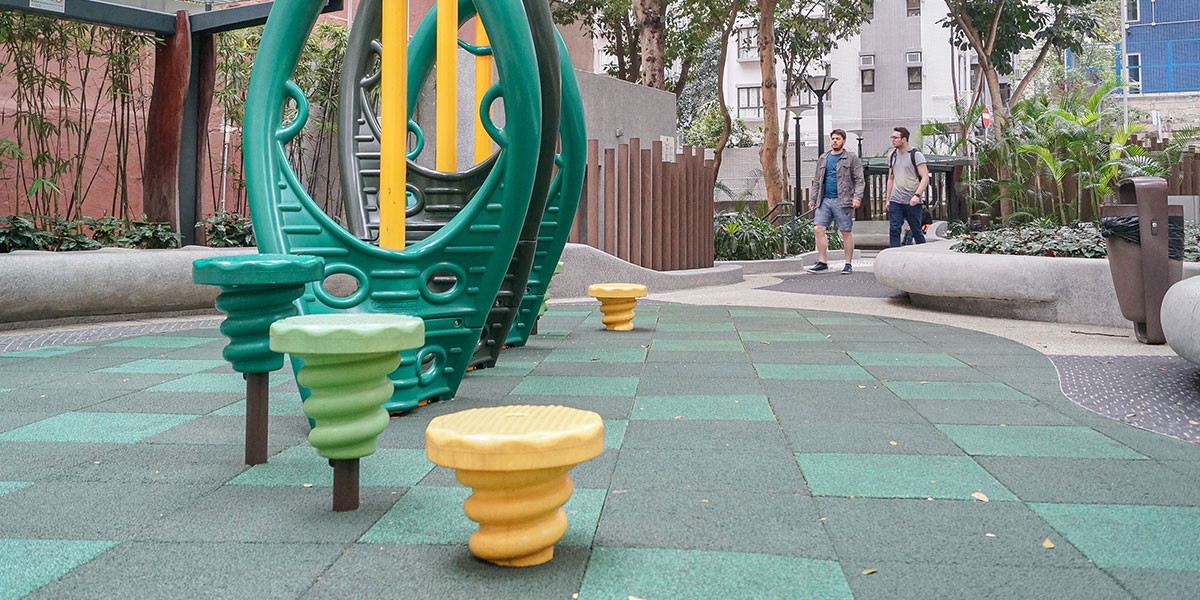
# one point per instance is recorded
(1081, 240)
(747, 236)
(39, 232)
(229, 230)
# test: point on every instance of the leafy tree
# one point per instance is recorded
(706, 131)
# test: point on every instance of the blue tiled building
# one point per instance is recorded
(1163, 37)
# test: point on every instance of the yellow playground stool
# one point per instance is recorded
(515, 459)
(616, 302)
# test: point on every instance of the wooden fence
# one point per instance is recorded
(1185, 176)
(652, 213)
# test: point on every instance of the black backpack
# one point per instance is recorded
(912, 155)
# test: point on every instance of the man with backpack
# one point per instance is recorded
(908, 177)
(837, 189)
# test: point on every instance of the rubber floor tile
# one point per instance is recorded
(692, 575)
(160, 341)
(714, 521)
(1129, 537)
(576, 386)
(156, 365)
(753, 469)
(783, 336)
(434, 515)
(812, 372)
(615, 355)
(184, 464)
(279, 405)
(8, 487)
(743, 408)
(899, 476)
(698, 326)
(869, 438)
(214, 383)
(744, 313)
(370, 571)
(895, 580)
(677, 434)
(101, 428)
(697, 345)
(91, 510)
(1094, 481)
(990, 412)
(904, 359)
(1147, 583)
(941, 390)
(697, 386)
(956, 374)
(209, 570)
(45, 352)
(507, 369)
(301, 465)
(31, 564)
(845, 320)
(950, 532)
(741, 369)
(704, 356)
(1035, 440)
(614, 432)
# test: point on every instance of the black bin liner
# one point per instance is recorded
(1126, 228)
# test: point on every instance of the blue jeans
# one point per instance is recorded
(899, 213)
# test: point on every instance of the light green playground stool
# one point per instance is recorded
(256, 291)
(347, 358)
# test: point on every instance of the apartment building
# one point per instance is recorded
(901, 70)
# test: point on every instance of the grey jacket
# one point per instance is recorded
(850, 181)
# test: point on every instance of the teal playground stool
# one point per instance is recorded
(256, 291)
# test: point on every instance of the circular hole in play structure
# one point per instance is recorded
(441, 282)
(340, 285)
(429, 364)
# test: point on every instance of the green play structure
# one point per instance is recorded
(482, 243)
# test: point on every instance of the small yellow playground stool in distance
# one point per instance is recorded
(515, 459)
(616, 302)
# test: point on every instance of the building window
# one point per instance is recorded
(1134, 71)
(747, 43)
(914, 8)
(914, 78)
(912, 58)
(750, 102)
(1132, 13)
(868, 80)
(866, 60)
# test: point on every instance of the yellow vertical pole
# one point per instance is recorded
(447, 86)
(483, 81)
(393, 166)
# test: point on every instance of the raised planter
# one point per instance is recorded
(1181, 318)
(584, 265)
(1035, 288)
(40, 286)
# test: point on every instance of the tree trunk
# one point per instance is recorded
(768, 156)
(727, 125)
(653, 43)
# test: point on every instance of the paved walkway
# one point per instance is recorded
(752, 453)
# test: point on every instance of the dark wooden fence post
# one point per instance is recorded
(656, 227)
(610, 202)
(646, 210)
(634, 224)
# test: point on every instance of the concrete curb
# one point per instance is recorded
(791, 264)
(586, 265)
(1033, 288)
(111, 281)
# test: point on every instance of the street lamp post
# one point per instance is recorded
(797, 111)
(858, 133)
(820, 85)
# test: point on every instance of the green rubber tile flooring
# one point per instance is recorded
(749, 453)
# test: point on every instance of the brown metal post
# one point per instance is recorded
(647, 210)
(164, 124)
(257, 402)
(345, 484)
(635, 201)
(622, 249)
(593, 194)
(206, 49)
(610, 202)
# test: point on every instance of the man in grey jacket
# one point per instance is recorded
(837, 189)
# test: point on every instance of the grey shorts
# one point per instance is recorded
(830, 211)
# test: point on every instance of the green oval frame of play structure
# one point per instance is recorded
(472, 251)
(553, 205)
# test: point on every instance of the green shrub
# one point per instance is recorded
(148, 235)
(229, 230)
(20, 232)
(1081, 240)
(746, 236)
(32, 232)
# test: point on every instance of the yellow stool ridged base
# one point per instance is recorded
(617, 301)
(516, 461)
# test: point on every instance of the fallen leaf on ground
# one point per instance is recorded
(1193, 422)
(615, 492)
(704, 500)
(677, 417)
(893, 443)
(989, 535)
(980, 496)
(306, 485)
(870, 571)
(924, 382)
(764, 342)
(1047, 544)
